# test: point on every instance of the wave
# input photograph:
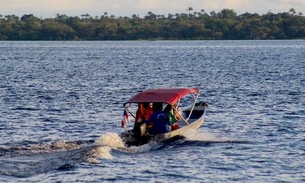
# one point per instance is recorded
(211, 138)
(199, 138)
(41, 148)
(24, 161)
(29, 160)
(36, 163)
(114, 141)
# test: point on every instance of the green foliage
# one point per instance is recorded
(192, 25)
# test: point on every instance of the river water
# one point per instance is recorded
(61, 107)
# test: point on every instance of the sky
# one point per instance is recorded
(49, 8)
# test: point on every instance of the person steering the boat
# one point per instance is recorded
(159, 119)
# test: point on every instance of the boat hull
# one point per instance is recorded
(178, 132)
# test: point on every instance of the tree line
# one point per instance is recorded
(193, 25)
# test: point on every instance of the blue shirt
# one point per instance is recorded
(160, 122)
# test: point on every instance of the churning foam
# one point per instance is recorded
(100, 152)
(110, 139)
(114, 141)
(197, 135)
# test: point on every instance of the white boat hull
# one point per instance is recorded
(178, 132)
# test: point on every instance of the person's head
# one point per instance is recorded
(167, 108)
(158, 106)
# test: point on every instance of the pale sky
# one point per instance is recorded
(49, 8)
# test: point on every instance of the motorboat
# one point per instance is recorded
(184, 101)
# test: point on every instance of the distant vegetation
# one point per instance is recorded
(224, 25)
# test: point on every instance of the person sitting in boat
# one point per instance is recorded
(140, 114)
(159, 120)
(139, 120)
(173, 114)
(143, 113)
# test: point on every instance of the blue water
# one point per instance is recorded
(61, 107)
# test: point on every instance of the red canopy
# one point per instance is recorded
(164, 95)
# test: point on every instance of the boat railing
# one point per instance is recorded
(195, 97)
